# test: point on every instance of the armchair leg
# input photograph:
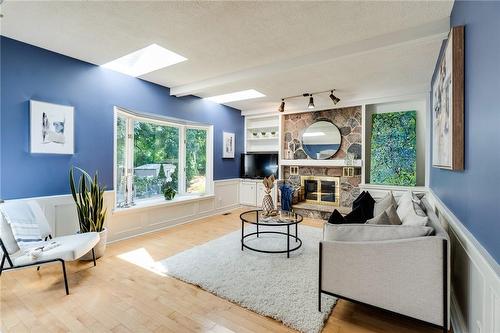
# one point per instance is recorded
(65, 277)
(38, 268)
(93, 256)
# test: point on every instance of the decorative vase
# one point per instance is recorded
(99, 248)
(267, 204)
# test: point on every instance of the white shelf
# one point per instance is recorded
(262, 139)
(323, 163)
(259, 128)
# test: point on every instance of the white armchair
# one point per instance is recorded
(71, 247)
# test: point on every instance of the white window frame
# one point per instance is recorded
(130, 117)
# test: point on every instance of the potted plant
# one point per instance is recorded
(168, 191)
(89, 200)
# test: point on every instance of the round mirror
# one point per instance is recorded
(321, 140)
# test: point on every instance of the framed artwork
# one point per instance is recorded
(394, 148)
(227, 145)
(51, 128)
(448, 105)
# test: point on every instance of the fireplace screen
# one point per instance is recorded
(321, 190)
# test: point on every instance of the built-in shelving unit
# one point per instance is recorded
(262, 133)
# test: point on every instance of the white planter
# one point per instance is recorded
(99, 248)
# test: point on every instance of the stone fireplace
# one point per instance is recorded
(321, 190)
(322, 186)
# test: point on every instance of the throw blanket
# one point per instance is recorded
(23, 223)
(286, 197)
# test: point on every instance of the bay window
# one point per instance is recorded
(155, 153)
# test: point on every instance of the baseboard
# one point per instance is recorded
(475, 277)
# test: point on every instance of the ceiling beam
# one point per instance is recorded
(424, 33)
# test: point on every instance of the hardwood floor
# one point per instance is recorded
(120, 296)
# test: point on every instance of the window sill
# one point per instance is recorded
(161, 202)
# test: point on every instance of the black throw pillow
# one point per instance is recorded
(366, 203)
(357, 215)
(356, 201)
(336, 218)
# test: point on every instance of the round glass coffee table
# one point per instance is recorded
(283, 219)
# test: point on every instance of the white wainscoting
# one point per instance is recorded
(61, 214)
(475, 278)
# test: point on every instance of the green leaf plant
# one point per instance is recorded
(89, 200)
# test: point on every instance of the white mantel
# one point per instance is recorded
(321, 163)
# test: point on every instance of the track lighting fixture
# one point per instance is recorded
(334, 98)
(310, 105)
(311, 102)
(282, 105)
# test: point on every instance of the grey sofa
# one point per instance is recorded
(408, 276)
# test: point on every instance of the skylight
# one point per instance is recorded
(236, 96)
(146, 60)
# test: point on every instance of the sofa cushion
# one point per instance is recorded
(381, 205)
(404, 204)
(357, 215)
(393, 216)
(411, 218)
(336, 218)
(382, 218)
(387, 217)
(366, 202)
(372, 232)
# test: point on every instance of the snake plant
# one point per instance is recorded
(89, 199)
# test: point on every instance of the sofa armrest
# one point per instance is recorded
(407, 276)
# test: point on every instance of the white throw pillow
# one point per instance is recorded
(372, 232)
(413, 219)
(381, 205)
(404, 205)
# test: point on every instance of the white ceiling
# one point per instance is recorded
(363, 49)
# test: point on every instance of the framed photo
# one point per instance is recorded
(227, 145)
(51, 128)
(448, 105)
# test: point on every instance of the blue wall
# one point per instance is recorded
(29, 72)
(472, 195)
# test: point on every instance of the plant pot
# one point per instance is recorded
(99, 248)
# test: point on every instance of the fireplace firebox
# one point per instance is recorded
(321, 190)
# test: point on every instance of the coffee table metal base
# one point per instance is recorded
(288, 249)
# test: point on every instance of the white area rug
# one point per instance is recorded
(269, 284)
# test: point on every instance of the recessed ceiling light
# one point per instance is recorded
(146, 60)
(236, 96)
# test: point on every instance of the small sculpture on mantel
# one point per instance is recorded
(267, 201)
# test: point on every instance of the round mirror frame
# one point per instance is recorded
(325, 157)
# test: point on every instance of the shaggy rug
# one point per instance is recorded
(269, 284)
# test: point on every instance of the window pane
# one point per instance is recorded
(121, 164)
(196, 160)
(156, 151)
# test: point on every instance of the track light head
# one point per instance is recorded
(334, 98)
(311, 102)
(282, 106)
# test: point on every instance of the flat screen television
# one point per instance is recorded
(259, 165)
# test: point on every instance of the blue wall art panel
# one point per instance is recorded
(394, 148)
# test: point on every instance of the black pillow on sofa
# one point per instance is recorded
(357, 215)
(336, 218)
(356, 201)
(366, 202)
